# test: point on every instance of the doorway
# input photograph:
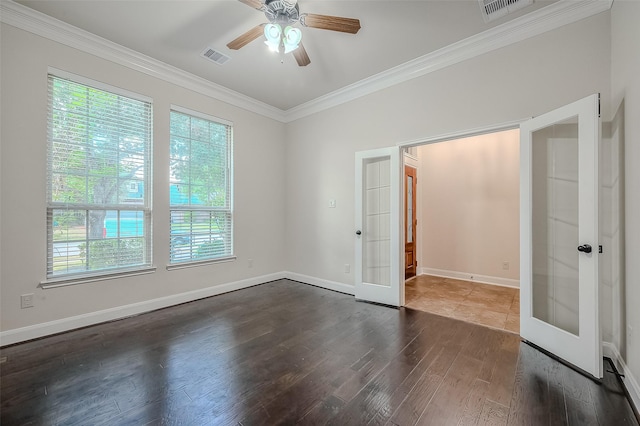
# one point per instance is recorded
(466, 226)
(573, 125)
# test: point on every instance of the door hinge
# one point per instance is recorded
(599, 111)
(599, 249)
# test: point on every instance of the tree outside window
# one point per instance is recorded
(200, 189)
(98, 207)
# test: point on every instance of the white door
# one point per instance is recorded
(378, 223)
(559, 233)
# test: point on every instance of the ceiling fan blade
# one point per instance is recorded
(301, 56)
(256, 4)
(332, 23)
(246, 38)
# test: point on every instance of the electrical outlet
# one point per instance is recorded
(347, 268)
(505, 265)
(250, 263)
(629, 331)
(26, 301)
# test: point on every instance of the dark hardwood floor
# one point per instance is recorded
(285, 353)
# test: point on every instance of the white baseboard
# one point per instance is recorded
(630, 382)
(319, 282)
(470, 276)
(66, 324)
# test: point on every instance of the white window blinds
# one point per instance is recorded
(98, 206)
(200, 189)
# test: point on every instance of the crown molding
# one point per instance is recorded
(535, 23)
(554, 16)
(35, 22)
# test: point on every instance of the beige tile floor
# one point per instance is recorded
(484, 304)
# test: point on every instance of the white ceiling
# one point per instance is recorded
(177, 31)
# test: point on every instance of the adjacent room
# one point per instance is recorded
(201, 217)
(467, 233)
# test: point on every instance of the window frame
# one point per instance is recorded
(229, 209)
(67, 277)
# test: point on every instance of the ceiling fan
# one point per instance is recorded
(286, 13)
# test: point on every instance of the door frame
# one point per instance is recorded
(510, 125)
(476, 132)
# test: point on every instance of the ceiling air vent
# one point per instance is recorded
(494, 9)
(215, 56)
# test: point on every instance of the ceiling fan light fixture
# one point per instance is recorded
(272, 33)
(272, 46)
(291, 39)
(286, 13)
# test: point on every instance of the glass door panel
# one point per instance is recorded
(410, 209)
(555, 225)
(376, 235)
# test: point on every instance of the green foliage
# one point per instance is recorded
(64, 219)
(199, 159)
(111, 253)
(209, 250)
(97, 143)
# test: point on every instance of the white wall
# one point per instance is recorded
(512, 83)
(625, 100)
(468, 218)
(259, 188)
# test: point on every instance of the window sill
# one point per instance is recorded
(193, 264)
(81, 279)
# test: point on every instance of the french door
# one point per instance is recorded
(559, 233)
(378, 224)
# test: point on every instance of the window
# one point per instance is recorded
(200, 189)
(98, 201)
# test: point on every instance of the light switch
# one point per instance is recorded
(332, 204)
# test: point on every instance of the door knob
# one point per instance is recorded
(358, 232)
(585, 248)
